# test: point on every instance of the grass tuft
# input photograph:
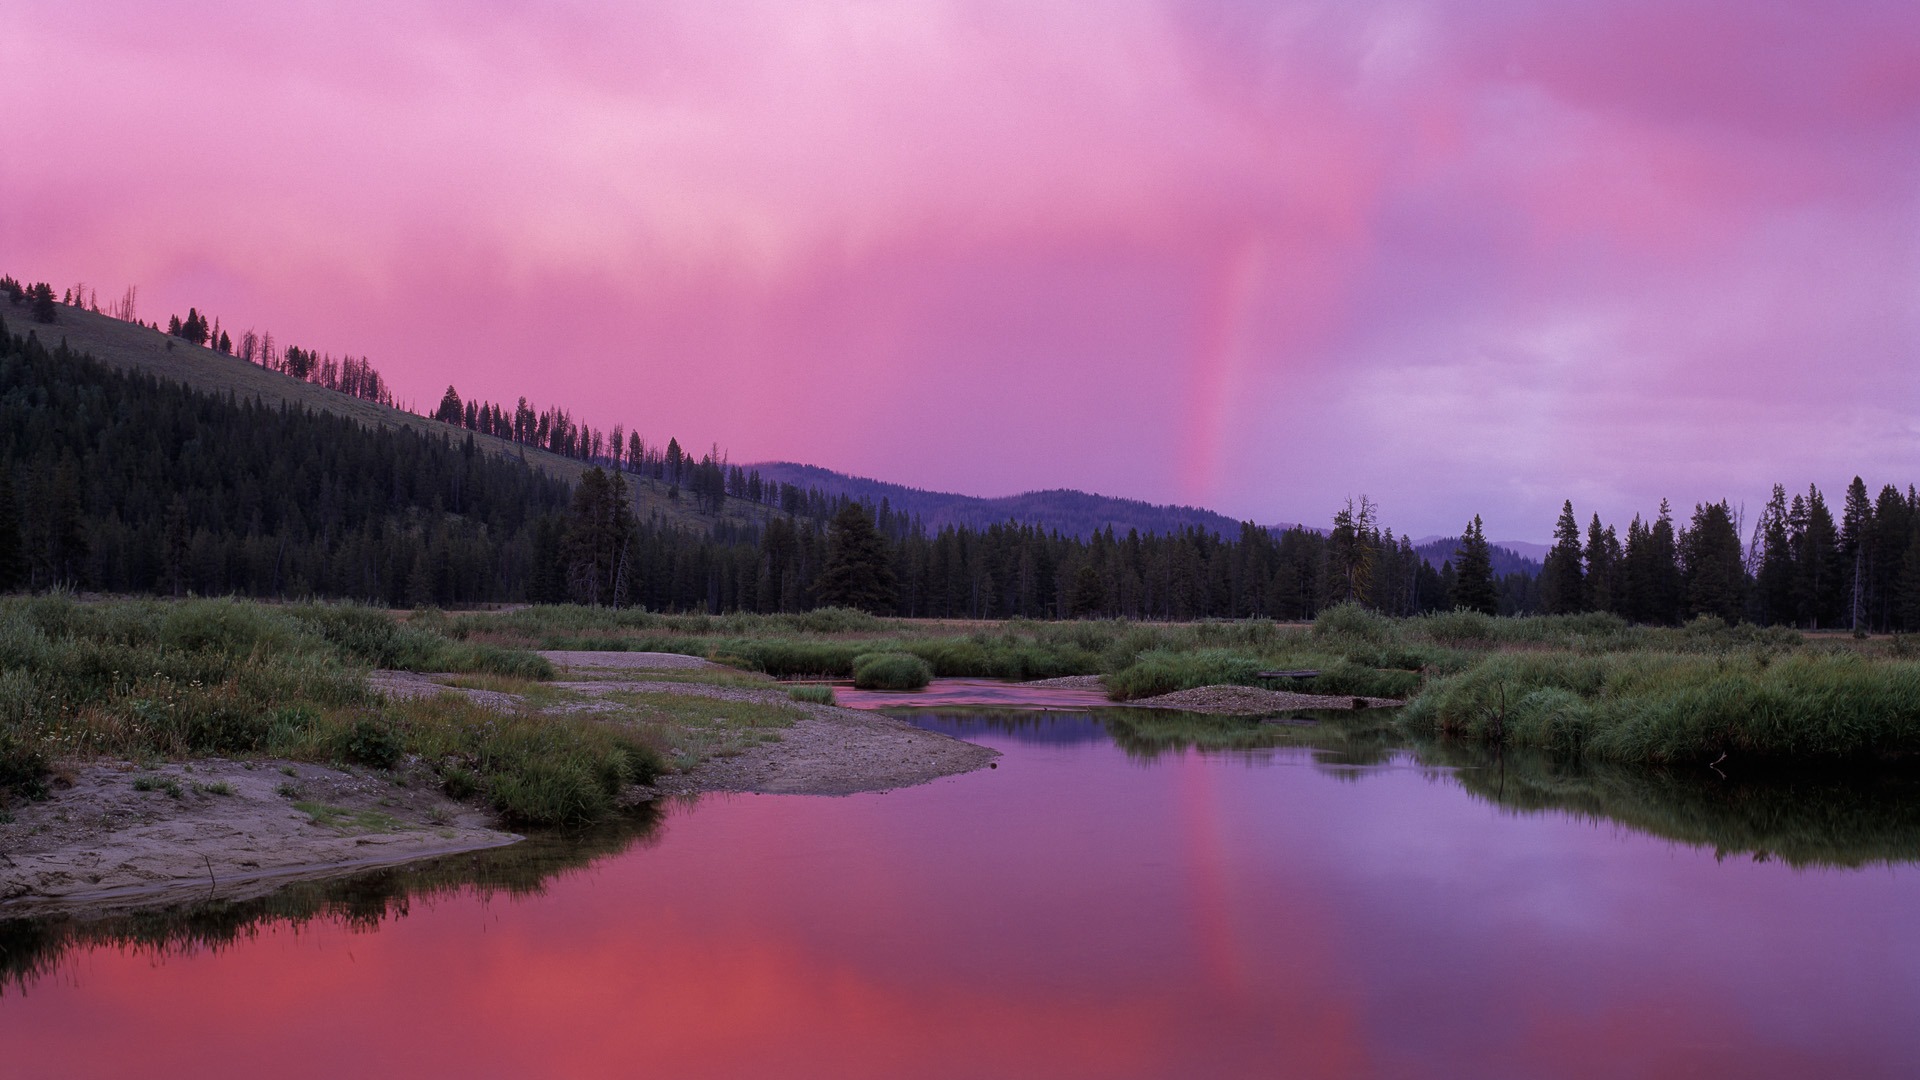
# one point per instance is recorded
(891, 671)
(814, 693)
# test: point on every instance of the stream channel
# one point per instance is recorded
(1128, 893)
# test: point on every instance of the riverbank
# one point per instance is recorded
(113, 834)
(824, 750)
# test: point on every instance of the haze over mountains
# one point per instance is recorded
(1073, 513)
(1081, 514)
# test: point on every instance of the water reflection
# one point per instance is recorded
(31, 948)
(1806, 818)
(1125, 896)
(1825, 818)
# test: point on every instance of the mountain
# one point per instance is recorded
(1509, 556)
(1073, 513)
(131, 346)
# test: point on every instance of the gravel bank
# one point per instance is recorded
(233, 831)
(828, 750)
(1254, 701)
(1073, 682)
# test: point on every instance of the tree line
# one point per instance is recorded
(1798, 567)
(118, 481)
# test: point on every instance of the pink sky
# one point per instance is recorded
(1258, 256)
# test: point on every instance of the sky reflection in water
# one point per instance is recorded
(1078, 911)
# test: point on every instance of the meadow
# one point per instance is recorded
(1590, 687)
(147, 680)
(152, 679)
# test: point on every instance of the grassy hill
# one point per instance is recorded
(129, 345)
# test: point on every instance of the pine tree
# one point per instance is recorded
(1775, 575)
(1892, 521)
(11, 569)
(42, 307)
(1473, 587)
(1856, 552)
(451, 411)
(1909, 604)
(1715, 577)
(858, 571)
(1663, 562)
(1603, 568)
(1819, 599)
(1562, 587)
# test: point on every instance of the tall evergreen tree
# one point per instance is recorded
(1774, 584)
(1892, 521)
(858, 572)
(1715, 577)
(1351, 549)
(1819, 582)
(451, 410)
(1653, 570)
(42, 307)
(11, 568)
(1473, 587)
(1562, 585)
(1604, 584)
(1856, 552)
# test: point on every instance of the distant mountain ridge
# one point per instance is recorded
(1072, 513)
(1509, 556)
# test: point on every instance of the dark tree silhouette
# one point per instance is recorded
(1473, 572)
(858, 572)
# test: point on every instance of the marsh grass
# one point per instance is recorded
(813, 693)
(1682, 707)
(157, 680)
(891, 671)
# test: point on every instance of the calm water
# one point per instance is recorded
(1149, 895)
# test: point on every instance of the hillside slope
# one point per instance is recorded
(1073, 513)
(128, 345)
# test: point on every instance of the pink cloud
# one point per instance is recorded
(1467, 259)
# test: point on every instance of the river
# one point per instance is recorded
(1125, 894)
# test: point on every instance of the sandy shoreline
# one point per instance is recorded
(829, 750)
(220, 829)
(214, 828)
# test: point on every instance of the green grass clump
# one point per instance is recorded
(158, 783)
(1665, 708)
(372, 740)
(344, 820)
(1162, 671)
(891, 671)
(815, 693)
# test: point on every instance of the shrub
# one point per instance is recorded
(372, 741)
(458, 782)
(1356, 623)
(23, 768)
(891, 671)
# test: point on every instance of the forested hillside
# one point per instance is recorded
(282, 472)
